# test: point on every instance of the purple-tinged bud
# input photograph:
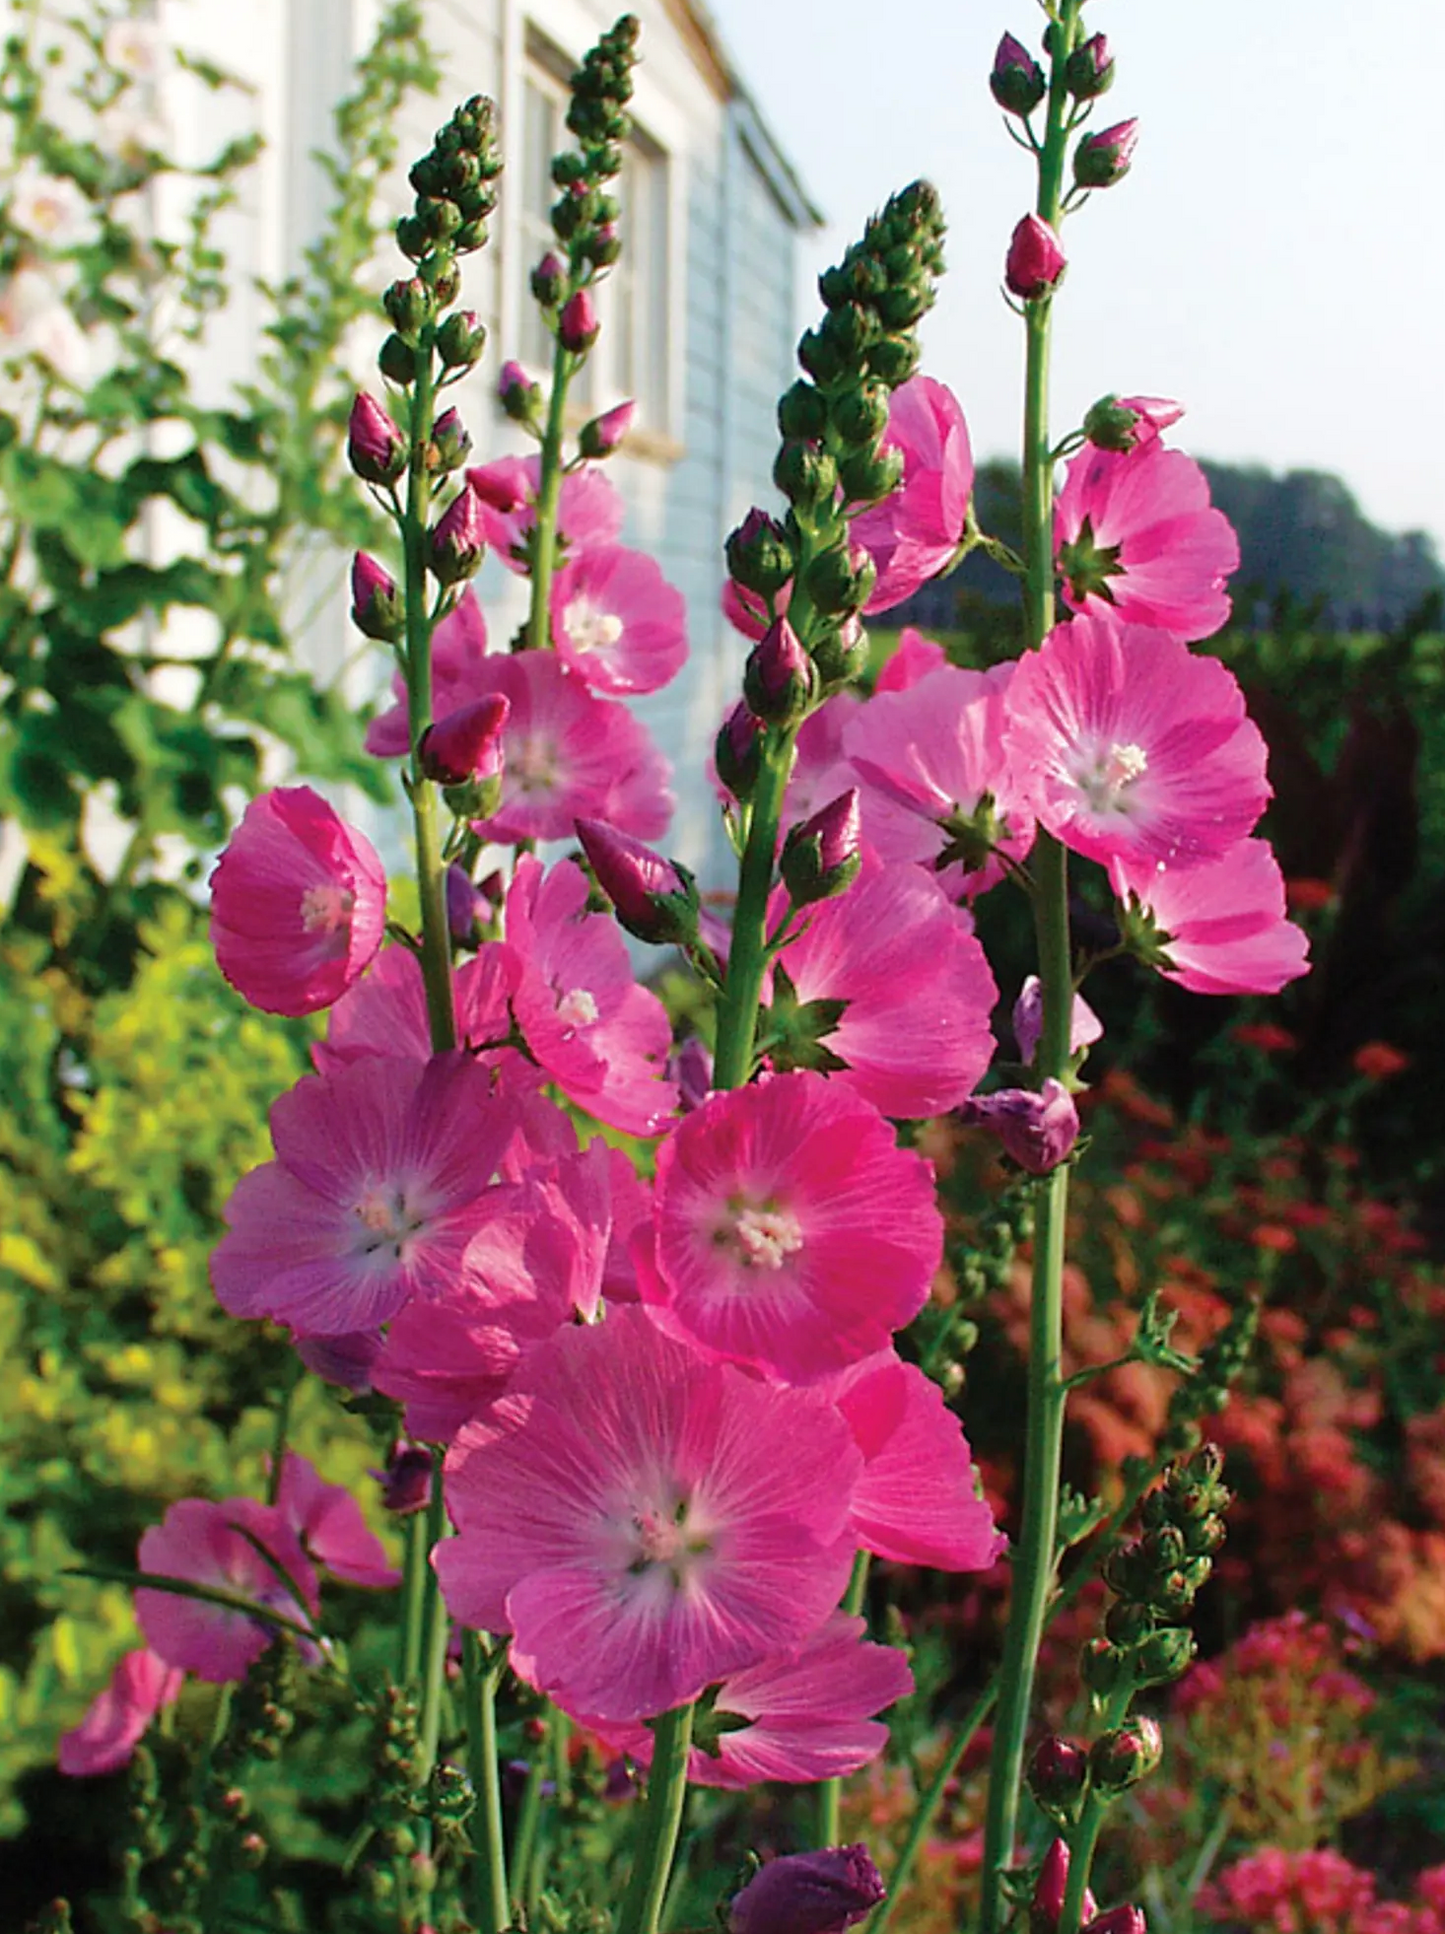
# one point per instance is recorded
(606, 433)
(406, 1481)
(461, 339)
(1085, 1027)
(691, 1068)
(821, 858)
(518, 395)
(1035, 260)
(842, 655)
(808, 1893)
(549, 281)
(653, 899)
(1017, 81)
(375, 601)
(1058, 1773)
(1125, 423)
(1119, 1759)
(1104, 158)
(457, 540)
(410, 306)
(577, 326)
(467, 906)
(1089, 70)
(375, 447)
(451, 446)
(1049, 1891)
(603, 246)
(737, 754)
(1119, 1920)
(759, 556)
(467, 743)
(1037, 1130)
(779, 680)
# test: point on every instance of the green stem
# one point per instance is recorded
(489, 1857)
(549, 496)
(1083, 1837)
(737, 1021)
(928, 1806)
(524, 1841)
(435, 1629)
(830, 1792)
(666, 1796)
(279, 1431)
(413, 1589)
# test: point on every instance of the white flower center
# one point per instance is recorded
(662, 1546)
(590, 627)
(532, 765)
(577, 1009)
(765, 1237)
(326, 908)
(387, 1221)
(1105, 783)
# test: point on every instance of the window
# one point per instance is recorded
(632, 355)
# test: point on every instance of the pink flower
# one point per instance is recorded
(603, 1039)
(379, 1182)
(893, 945)
(328, 1521)
(1136, 535)
(298, 903)
(645, 1520)
(937, 786)
(913, 657)
(919, 1499)
(747, 611)
(1217, 928)
(590, 513)
(1131, 747)
(385, 1013)
(345, 1360)
(459, 646)
(1038, 1128)
(1125, 423)
(203, 1543)
(913, 534)
(618, 622)
(118, 1717)
(809, 1713)
(808, 1893)
(792, 1232)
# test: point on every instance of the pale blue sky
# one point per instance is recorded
(1276, 259)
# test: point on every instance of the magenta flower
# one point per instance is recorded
(821, 772)
(809, 1713)
(1218, 928)
(379, 1182)
(937, 785)
(913, 657)
(328, 1521)
(792, 1232)
(385, 1013)
(1135, 535)
(346, 1361)
(118, 1717)
(618, 622)
(603, 1039)
(809, 1893)
(1133, 748)
(1038, 1127)
(1085, 1027)
(589, 516)
(298, 903)
(203, 1544)
(913, 534)
(919, 1499)
(1035, 261)
(645, 1520)
(894, 945)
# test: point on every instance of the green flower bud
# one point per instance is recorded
(805, 474)
(841, 579)
(410, 306)
(1121, 1758)
(1164, 1655)
(461, 339)
(869, 475)
(893, 359)
(841, 654)
(803, 412)
(859, 415)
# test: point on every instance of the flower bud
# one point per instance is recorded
(442, 277)
(1017, 81)
(1058, 1772)
(603, 246)
(397, 361)
(736, 753)
(375, 447)
(549, 281)
(1165, 1655)
(1103, 1667)
(1085, 1027)
(1038, 1129)
(841, 579)
(410, 306)
(759, 556)
(1035, 260)
(808, 1893)
(1089, 70)
(842, 655)
(605, 433)
(456, 542)
(406, 1482)
(1124, 423)
(1119, 1759)
(1104, 158)
(577, 326)
(871, 474)
(375, 602)
(821, 858)
(651, 897)
(1050, 1889)
(805, 474)
(893, 359)
(467, 743)
(461, 339)
(691, 1068)
(518, 395)
(1119, 1920)
(451, 446)
(803, 412)
(467, 905)
(779, 682)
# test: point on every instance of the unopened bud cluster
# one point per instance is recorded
(585, 214)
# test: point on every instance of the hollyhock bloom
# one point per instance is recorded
(792, 1232)
(328, 1521)
(918, 1501)
(203, 1544)
(809, 1893)
(298, 903)
(1038, 1128)
(809, 1713)
(51, 209)
(936, 784)
(893, 945)
(118, 1717)
(1133, 748)
(1035, 259)
(1136, 535)
(1216, 928)
(385, 1013)
(913, 534)
(35, 320)
(645, 1520)
(458, 677)
(914, 657)
(1085, 1027)
(1125, 423)
(378, 1185)
(589, 515)
(603, 1039)
(618, 622)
